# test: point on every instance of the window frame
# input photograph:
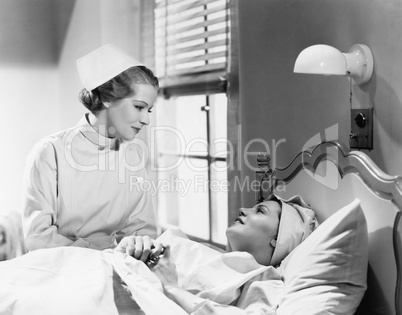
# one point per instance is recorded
(228, 83)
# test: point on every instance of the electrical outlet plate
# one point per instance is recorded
(361, 134)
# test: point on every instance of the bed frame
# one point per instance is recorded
(328, 177)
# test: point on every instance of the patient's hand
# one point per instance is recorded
(165, 269)
(140, 247)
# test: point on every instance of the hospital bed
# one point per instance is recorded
(332, 180)
(329, 177)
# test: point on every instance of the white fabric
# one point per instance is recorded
(217, 278)
(11, 236)
(71, 280)
(296, 224)
(103, 64)
(208, 273)
(326, 274)
(62, 280)
(145, 287)
(76, 194)
(259, 296)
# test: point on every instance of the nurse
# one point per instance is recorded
(78, 183)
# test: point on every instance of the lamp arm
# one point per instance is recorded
(359, 63)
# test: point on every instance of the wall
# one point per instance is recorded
(277, 104)
(92, 24)
(28, 73)
(40, 41)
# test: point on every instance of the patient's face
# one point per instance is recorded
(254, 228)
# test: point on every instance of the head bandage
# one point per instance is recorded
(296, 223)
(103, 64)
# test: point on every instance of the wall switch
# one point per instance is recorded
(361, 133)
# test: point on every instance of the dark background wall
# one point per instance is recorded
(278, 104)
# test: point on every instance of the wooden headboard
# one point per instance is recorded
(329, 177)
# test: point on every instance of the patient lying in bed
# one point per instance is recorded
(326, 274)
(260, 236)
(199, 279)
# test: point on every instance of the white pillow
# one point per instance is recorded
(326, 274)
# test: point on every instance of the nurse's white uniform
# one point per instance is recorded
(82, 189)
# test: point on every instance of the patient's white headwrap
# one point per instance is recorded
(103, 64)
(296, 223)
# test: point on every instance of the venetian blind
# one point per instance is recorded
(191, 45)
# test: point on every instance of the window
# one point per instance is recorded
(191, 47)
(191, 163)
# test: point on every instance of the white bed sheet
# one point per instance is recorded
(72, 280)
(63, 280)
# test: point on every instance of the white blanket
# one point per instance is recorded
(63, 280)
(72, 280)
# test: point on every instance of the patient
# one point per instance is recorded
(269, 232)
(326, 274)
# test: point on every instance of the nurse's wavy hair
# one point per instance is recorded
(121, 86)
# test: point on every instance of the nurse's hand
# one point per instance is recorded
(140, 247)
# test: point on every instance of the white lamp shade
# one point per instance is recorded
(357, 64)
(321, 59)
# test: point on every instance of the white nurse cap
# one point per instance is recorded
(103, 64)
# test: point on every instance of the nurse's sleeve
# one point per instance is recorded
(142, 218)
(40, 201)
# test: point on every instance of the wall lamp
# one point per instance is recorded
(327, 60)
(357, 64)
